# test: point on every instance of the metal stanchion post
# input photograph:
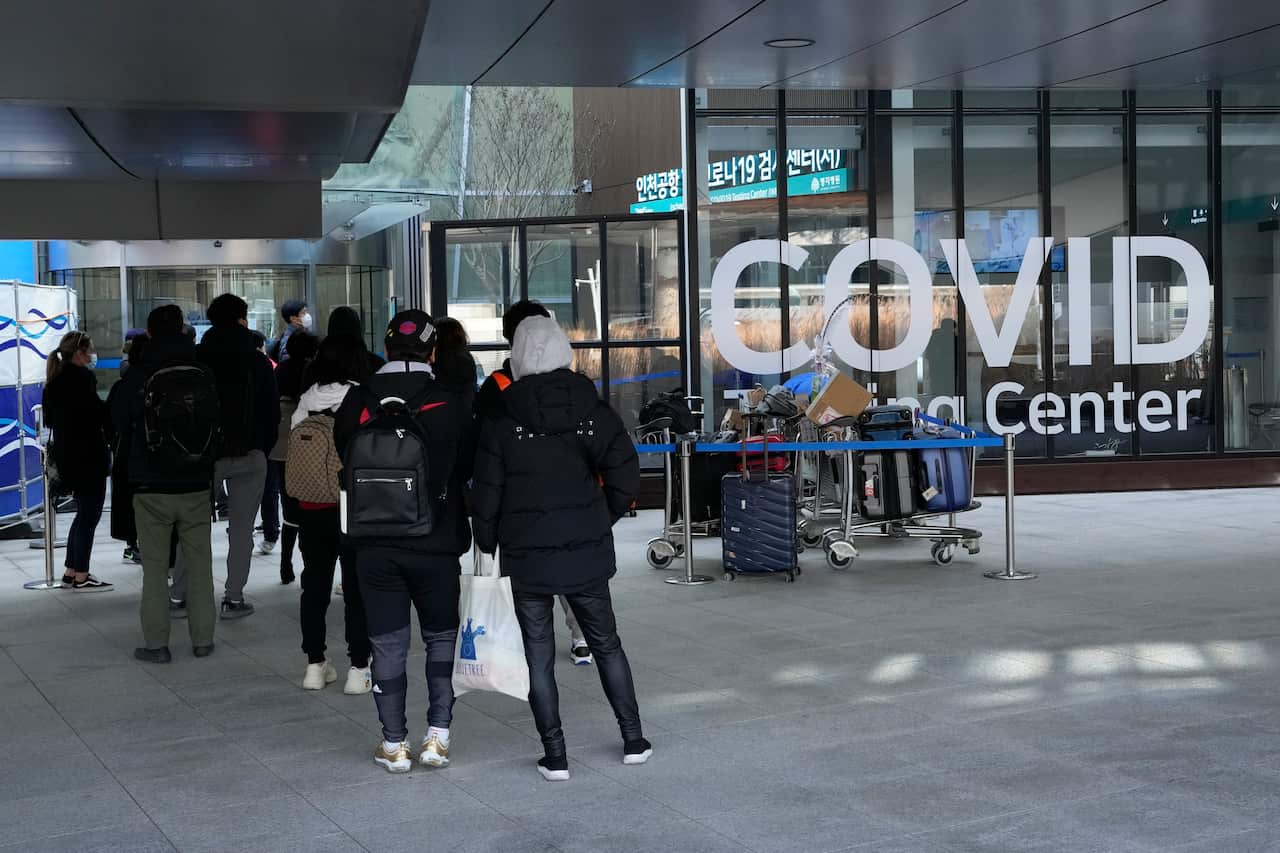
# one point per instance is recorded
(50, 537)
(685, 447)
(1010, 573)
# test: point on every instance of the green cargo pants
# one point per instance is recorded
(189, 515)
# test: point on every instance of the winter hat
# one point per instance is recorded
(539, 346)
(292, 309)
(518, 313)
(411, 333)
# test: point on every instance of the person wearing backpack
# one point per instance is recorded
(488, 403)
(312, 479)
(407, 444)
(169, 421)
(249, 409)
(553, 474)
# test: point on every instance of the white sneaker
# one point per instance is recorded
(580, 654)
(337, 590)
(359, 681)
(266, 547)
(318, 675)
(397, 761)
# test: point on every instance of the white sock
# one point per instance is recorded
(443, 734)
(389, 747)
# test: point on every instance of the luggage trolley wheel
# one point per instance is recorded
(810, 537)
(660, 553)
(730, 576)
(840, 554)
(943, 553)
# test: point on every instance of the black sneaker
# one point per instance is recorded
(89, 584)
(236, 609)
(636, 751)
(554, 768)
(132, 556)
(177, 609)
(286, 575)
(202, 651)
(160, 655)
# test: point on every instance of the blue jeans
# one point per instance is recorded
(80, 539)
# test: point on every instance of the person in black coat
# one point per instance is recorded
(553, 474)
(77, 419)
(123, 527)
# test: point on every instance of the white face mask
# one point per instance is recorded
(93, 361)
(307, 321)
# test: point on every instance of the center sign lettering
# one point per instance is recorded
(1153, 408)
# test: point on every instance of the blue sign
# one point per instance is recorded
(17, 260)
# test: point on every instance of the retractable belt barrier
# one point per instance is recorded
(686, 447)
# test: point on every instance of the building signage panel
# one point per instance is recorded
(748, 177)
(1156, 410)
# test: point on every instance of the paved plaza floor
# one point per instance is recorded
(1128, 699)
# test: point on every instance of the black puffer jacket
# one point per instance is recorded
(80, 424)
(553, 473)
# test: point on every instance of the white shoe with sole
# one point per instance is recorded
(434, 753)
(266, 547)
(318, 675)
(359, 681)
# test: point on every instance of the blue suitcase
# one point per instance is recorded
(943, 473)
(758, 524)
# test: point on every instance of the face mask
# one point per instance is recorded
(93, 360)
(307, 322)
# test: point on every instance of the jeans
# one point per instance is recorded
(242, 477)
(318, 539)
(390, 582)
(159, 517)
(80, 539)
(594, 611)
(271, 501)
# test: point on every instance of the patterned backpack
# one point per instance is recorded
(313, 469)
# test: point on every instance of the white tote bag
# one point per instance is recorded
(490, 650)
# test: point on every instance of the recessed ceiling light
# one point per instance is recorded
(785, 43)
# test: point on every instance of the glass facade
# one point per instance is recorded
(1096, 272)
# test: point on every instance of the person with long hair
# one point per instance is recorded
(327, 379)
(77, 419)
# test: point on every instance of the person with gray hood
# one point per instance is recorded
(554, 472)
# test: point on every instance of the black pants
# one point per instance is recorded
(321, 550)
(80, 540)
(271, 502)
(289, 512)
(594, 611)
(391, 582)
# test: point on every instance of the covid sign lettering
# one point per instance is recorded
(1046, 414)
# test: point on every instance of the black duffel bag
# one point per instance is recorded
(670, 404)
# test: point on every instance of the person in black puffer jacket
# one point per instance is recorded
(78, 420)
(552, 476)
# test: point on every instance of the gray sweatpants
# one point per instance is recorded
(571, 622)
(243, 478)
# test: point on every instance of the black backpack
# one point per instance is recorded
(670, 404)
(386, 490)
(181, 420)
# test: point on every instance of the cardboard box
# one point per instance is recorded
(840, 397)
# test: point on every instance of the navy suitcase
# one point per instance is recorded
(886, 423)
(758, 524)
(944, 473)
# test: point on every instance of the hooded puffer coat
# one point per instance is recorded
(553, 473)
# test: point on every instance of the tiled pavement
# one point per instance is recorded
(1126, 700)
